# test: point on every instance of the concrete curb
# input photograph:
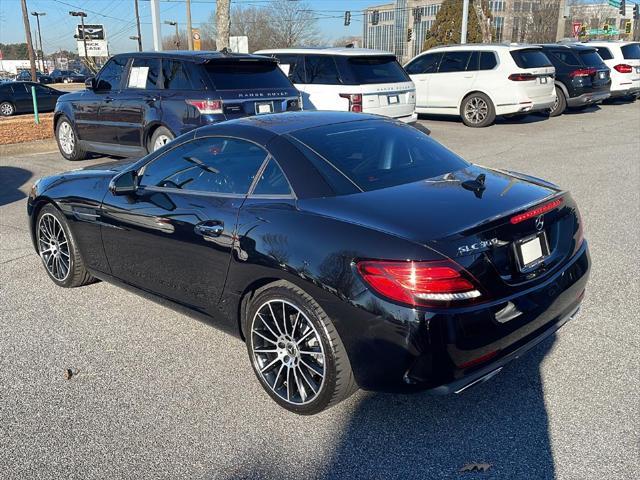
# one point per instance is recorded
(26, 148)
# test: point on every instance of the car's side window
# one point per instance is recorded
(41, 90)
(272, 181)
(174, 75)
(424, 64)
(454, 62)
(296, 67)
(144, 73)
(488, 61)
(110, 77)
(212, 165)
(605, 53)
(321, 69)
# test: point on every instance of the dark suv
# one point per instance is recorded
(140, 101)
(582, 78)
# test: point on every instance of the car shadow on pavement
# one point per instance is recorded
(579, 110)
(500, 120)
(11, 179)
(502, 422)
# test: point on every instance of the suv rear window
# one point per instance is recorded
(376, 154)
(530, 58)
(370, 69)
(631, 51)
(591, 58)
(246, 74)
(605, 53)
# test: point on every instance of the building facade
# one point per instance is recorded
(401, 27)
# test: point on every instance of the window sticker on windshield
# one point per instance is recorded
(138, 77)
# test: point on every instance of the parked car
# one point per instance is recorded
(623, 60)
(25, 76)
(479, 82)
(582, 78)
(15, 97)
(140, 101)
(347, 250)
(349, 79)
(67, 76)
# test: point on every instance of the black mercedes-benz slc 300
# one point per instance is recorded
(347, 250)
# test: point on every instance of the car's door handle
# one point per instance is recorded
(108, 99)
(209, 230)
(151, 98)
(468, 76)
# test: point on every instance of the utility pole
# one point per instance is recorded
(175, 24)
(223, 23)
(38, 15)
(27, 31)
(155, 25)
(138, 26)
(189, 30)
(465, 20)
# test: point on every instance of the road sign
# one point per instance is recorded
(577, 26)
(95, 48)
(195, 33)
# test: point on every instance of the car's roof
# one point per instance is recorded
(484, 46)
(570, 46)
(608, 43)
(198, 56)
(345, 51)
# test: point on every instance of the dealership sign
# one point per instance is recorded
(95, 38)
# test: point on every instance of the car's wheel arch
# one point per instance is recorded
(38, 204)
(150, 130)
(562, 87)
(473, 92)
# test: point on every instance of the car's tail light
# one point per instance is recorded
(547, 207)
(583, 72)
(206, 107)
(355, 101)
(419, 283)
(522, 77)
(477, 361)
(623, 68)
(580, 232)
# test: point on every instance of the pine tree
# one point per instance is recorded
(446, 29)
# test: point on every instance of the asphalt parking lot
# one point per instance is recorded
(159, 395)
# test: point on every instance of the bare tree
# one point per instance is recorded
(254, 23)
(171, 42)
(344, 41)
(484, 20)
(541, 26)
(293, 24)
(223, 23)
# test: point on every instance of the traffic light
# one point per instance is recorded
(623, 8)
(606, 28)
(375, 17)
(417, 14)
(347, 18)
(636, 12)
(627, 27)
(583, 30)
(409, 34)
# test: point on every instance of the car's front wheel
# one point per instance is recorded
(58, 250)
(161, 136)
(68, 141)
(7, 109)
(477, 110)
(295, 350)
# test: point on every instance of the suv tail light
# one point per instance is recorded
(419, 283)
(355, 101)
(522, 77)
(583, 72)
(206, 107)
(547, 207)
(623, 68)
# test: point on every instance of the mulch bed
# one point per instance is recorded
(22, 128)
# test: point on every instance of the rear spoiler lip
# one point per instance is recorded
(254, 59)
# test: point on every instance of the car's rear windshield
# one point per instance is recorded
(631, 51)
(376, 154)
(377, 69)
(248, 74)
(591, 58)
(533, 58)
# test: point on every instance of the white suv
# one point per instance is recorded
(480, 81)
(349, 79)
(623, 58)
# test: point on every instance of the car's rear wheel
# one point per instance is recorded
(295, 350)
(161, 136)
(477, 110)
(560, 104)
(58, 250)
(7, 109)
(68, 141)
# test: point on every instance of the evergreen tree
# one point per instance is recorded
(447, 27)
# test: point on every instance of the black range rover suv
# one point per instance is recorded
(582, 78)
(140, 101)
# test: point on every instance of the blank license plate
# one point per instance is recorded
(637, 69)
(264, 108)
(602, 74)
(393, 99)
(531, 251)
(543, 79)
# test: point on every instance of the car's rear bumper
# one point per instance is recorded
(408, 118)
(625, 91)
(588, 98)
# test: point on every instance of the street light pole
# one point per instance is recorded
(82, 16)
(138, 25)
(465, 19)
(175, 24)
(38, 15)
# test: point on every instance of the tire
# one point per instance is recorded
(300, 382)
(58, 251)
(7, 109)
(561, 104)
(477, 111)
(67, 140)
(161, 136)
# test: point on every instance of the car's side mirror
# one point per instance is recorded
(124, 184)
(90, 83)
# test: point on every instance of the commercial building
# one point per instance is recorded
(401, 27)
